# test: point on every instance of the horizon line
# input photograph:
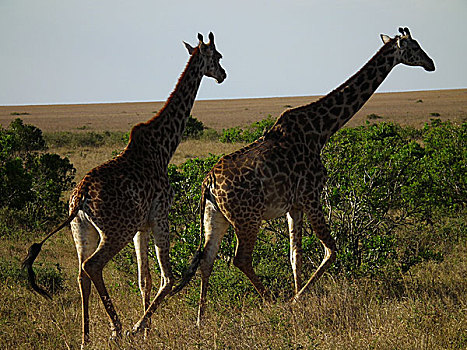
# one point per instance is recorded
(205, 99)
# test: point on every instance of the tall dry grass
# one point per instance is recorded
(86, 158)
(423, 309)
(427, 312)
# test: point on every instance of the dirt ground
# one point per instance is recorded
(407, 108)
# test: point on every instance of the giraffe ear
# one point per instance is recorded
(189, 48)
(385, 38)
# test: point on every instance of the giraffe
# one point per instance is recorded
(282, 173)
(130, 195)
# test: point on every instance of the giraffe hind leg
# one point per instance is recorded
(243, 256)
(86, 240)
(93, 267)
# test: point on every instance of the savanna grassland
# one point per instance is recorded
(400, 279)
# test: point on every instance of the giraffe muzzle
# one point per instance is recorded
(222, 78)
(429, 66)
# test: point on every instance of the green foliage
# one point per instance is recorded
(382, 179)
(210, 135)
(193, 129)
(52, 175)
(186, 181)
(445, 179)
(31, 181)
(19, 113)
(20, 139)
(251, 133)
(231, 135)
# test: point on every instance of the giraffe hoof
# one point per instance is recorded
(139, 326)
(296, 299)
(199, 323)
(115, 338)
(116, 334)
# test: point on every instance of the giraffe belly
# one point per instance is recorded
(275, 207)
(275, 212)
(278, 197)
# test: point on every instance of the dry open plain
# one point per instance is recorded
(422, 309)
(408, 108)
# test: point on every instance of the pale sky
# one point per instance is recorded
(67, 51)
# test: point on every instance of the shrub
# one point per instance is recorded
(231, 135)
(31, 181)
(186, 181)
(210, 135)
(251, 133)
(373, 116)
(194, 128)
(444, 181)
(382, 179)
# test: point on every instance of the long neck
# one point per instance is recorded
(327, 115)
(163, 133)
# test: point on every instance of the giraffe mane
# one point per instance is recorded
(160, 112)
(345, 83)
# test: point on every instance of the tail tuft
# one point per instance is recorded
(33, 252)
(189, 272)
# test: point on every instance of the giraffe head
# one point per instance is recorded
(409, 51)
(211, 58)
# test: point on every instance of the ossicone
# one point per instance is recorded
(405, 31)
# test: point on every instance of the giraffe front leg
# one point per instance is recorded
(321, 229)
(162, 241)
(141, 241)
(295, 221)
(215, 227)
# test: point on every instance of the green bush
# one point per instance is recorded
(193, 129)
(382, 179)
(31, 181)
(186, 181)
(231, 135)
(251, 133)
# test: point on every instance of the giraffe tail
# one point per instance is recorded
(34, 251)
(188, 273)
(196, 259)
